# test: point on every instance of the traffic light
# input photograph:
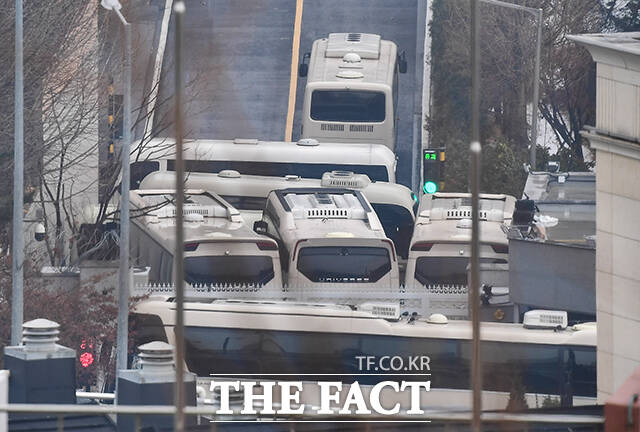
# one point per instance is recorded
(115, 111)
(432, 170)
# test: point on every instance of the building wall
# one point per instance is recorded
(617, 210)
(618, 100)
(617, 267)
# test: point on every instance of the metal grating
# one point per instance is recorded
(464, 213)
(332, 127)
(328, 213)
(361, 128)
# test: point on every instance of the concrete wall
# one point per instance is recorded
(617, 144)
(618, 100)
(550, 275)
(617, 267)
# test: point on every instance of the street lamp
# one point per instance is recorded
(537, 13)
(123, 290)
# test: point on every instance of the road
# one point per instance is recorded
(238, 63)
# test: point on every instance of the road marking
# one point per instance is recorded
(293, 82)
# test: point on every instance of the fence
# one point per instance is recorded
(450, 300)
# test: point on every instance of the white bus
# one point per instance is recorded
(394, 204)
(219, 248)
(441, 242)
(329, 238)
(305, 158)
(310, 342)
(351, 94)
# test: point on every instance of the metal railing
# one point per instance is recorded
(451, 299)
(444, 416)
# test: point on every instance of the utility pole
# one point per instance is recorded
(535, 112)
(416, 153)
(122, 338)
(17, 293)
(179, 11)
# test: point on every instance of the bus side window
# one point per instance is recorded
(147, 328)
(166, 267)
(395, 97)
(271, 218)
(272, 231)
(284, 258)
(135, 244)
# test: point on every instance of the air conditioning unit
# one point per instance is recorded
(545, 319)
(345, 179)
(389, 311)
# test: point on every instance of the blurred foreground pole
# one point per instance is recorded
(474, 294)
(475, 153)
(179, 10)
(17, 247)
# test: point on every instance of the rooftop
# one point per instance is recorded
(617, 49)
(444, 217)
(353, 57)
(571, 199)
(329, 212)
(206, 216)
(625, 42)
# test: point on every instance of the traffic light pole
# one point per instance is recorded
(124, 273)
(17, 251)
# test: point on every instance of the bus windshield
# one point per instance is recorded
(211, 270)
(447, 270)
(340, 264)
(348, 106)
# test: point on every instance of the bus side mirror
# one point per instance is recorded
(260, 227)
(303, 68)
(402, 62)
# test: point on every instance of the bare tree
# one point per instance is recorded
(568, 79)
(508, 43)
(48, 28)
(73, 108)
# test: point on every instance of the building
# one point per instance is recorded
(616, 139)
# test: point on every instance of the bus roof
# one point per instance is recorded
(232, 183)
(267, 151)
(352, 57)
(314, 213)
(444, 217)
(270, 315)
(207, 217)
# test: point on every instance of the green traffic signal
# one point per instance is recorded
(430, 187)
